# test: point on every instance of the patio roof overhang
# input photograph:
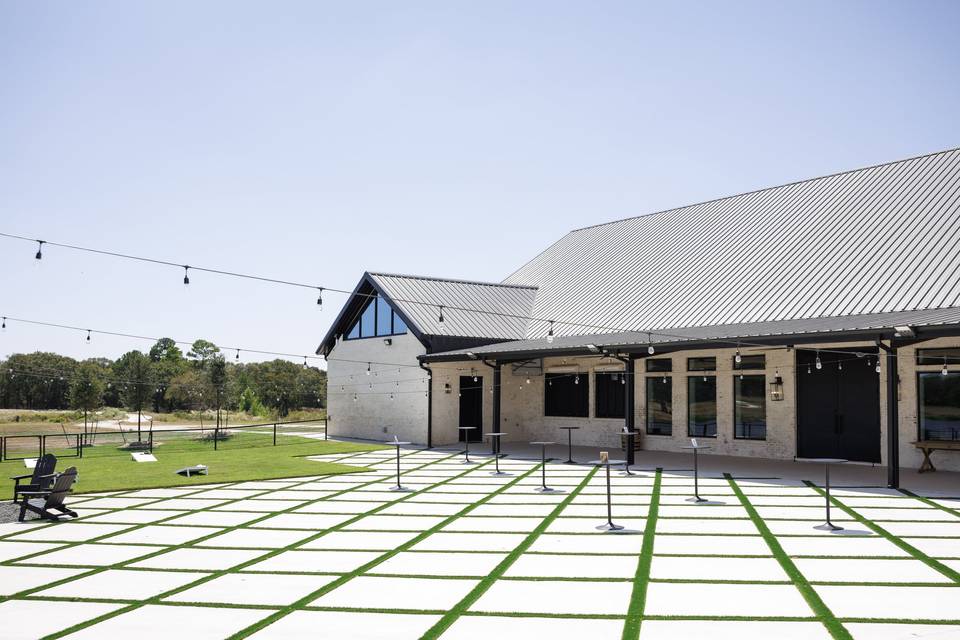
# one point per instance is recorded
(923, 324)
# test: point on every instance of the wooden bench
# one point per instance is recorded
(929, 446)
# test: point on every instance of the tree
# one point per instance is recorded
(135, 373)
(187, 391)
(86, 390)
(166, 349)
(201, 351)
(217, 376)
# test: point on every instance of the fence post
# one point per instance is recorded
(274, 434)
(151, 437)
(216, 436)
(43, 445)
(325, 430)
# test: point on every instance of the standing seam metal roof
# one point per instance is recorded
(874, 240)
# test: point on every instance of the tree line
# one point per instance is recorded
(161, 380)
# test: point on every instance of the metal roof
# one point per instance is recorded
(876, 240)
(419, 299)
(924, 321)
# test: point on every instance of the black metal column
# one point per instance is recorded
(429, 405)
(495, 418)
(630, 370)
(893, 419)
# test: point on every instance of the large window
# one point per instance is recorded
(701, 364)
(660, 406)
(750, 407)
(702, 406)
(566, 395)
(609, 393)
(938, 356)
(939, 406)
(750, 362)
(376, 319)
(659, 364)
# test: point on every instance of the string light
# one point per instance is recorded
(550, 334)
(304, 362)
(808, 369)
(819, 364)
(4, 326)
(368, 368)
(664, 379)
(944, 371)
(877, 368)
(840, 365)
(320, 297)
(186, 274)
(88, 336)
(576, 379)
(440, 319)
(650, 349)
(39, 255)
(237, 357)
(737, 358)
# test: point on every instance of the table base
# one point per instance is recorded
(697, 499)
(400, 488)
(609, 526)
(828, 526)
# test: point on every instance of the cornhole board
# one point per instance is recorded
(199, 469)
(143, 456)
(30, 463)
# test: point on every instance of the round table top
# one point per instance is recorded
(823, 460)
(600, 462)
(569, 428)
(397, 443)
(543, 442)
(699, 446)
(467, 428)
(496, 433)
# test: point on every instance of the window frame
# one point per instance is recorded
(691, 359)
(744, 367)
(358, 324)
(620, 412)
(549, 377)
(763, 396)
(654, 369)
(646, 401)
(920, 376)
(716, 425)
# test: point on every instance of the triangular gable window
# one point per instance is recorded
(376, 319)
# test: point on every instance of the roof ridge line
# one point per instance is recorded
(456, 280)
(762, 189)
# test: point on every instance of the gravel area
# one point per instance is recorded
(9, 512)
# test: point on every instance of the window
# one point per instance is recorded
(376, 319)
(659, 364)
(750, 407)
(939, 405)
(701, 364)
(936, 356)
(566, 395)
(702, 406)
(660, 406)
(750, 362)
(609, 394)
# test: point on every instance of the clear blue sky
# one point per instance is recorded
(312, 141)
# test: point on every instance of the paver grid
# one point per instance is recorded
(466, 554)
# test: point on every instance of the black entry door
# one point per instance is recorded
(838, 406)
(471, 408)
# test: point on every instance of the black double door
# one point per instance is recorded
(471, 408)
(838, 406)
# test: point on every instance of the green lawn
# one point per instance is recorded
(246, 456)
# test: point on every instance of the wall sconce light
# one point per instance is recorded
(388, 341)
(776, 389)
(446, 387)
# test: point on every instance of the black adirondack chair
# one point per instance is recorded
(42, 477)
(43, 502)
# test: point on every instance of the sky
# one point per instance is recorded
(312, 141)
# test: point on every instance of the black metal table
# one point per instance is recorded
(696, 473)
(495, 441)
(826, 462)
(466, 441)
(570, 431)
(543, 488)
(398, 444)
(608, 526)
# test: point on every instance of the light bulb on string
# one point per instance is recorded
(237, 357)
(304, 362)
(320, 297)
(737, 358)
(808, 369)
(186, 274)
(576, 379)
(550, 333)
(819, 364)
(944, 371)
(88, 336)
(664, 379)
(623, 379)
(840, 365)
(877, 368)
(39, 255)
(368, 368)
(528, 380)
(4, 326)
(440, 317)
(650, 349)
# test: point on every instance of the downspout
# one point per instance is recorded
(429, 404)
(495, 417)
(893, 417)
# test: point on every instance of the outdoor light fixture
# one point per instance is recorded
(944, 371)
(39, 255)
(576, 379)
(737, 357)
(237, 357)
(904, 331)
(186, 274)
(388, 341)
(819, 364)
(320, 297)
(550, 334)
(472, 355)
(88, 336)
(446, 387)
(776, 388)
(650, 348)
(877, 368)
(593, 348)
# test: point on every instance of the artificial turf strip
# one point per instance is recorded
(365, 568)
(216, 574)
(641, 578)
(468, 600)
(929, 502)
(819, 607)
(933, 563)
